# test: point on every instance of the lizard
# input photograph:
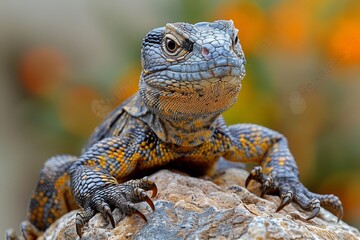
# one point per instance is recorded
(191, 74)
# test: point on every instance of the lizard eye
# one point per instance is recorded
(171, 45)
(235, 38)
(175, 47)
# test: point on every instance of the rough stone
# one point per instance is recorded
(216, 208)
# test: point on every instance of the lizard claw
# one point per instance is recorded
(82, 218)
(255, 174)
(137, 212)
(331, 203)
(339, 212)
(286, 199)
(144, 197)
(266, 185)
(154, 190)
(150, 203)
(105, 211)
(111, 219)
(144, 183)
(315, 208)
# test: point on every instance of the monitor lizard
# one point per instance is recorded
(191, 74)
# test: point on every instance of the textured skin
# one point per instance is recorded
(191, 74)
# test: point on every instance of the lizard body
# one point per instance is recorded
(191, 74)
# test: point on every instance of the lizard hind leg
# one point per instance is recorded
(51, 197)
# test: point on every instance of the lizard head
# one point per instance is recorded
(191, 69)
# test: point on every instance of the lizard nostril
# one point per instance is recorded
(204, 51)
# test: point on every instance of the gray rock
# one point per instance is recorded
(217, 208)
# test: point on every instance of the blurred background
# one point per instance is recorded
(64, 65)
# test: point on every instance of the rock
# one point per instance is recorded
(217, 208)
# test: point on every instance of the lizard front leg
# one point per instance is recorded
(94, 178)
(278, 171)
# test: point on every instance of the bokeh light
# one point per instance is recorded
(43, 70)
(75, 112)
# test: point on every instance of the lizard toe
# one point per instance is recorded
(82, 218)
(329, 202)
(144, 183)
(285, 200)
(266, 185)
(255, 174)
(141, 194)
(105, 211)
(315, 208)
(333, 204)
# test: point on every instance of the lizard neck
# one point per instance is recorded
(186, 130)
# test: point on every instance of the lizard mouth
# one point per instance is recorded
(195, 76)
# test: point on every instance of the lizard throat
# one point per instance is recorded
(191, 99)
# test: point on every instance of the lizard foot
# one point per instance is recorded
(292, 190)
(121, 196)
(28, 230)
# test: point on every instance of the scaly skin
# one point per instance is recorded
(191, 74)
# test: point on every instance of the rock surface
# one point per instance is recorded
(217, 208)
